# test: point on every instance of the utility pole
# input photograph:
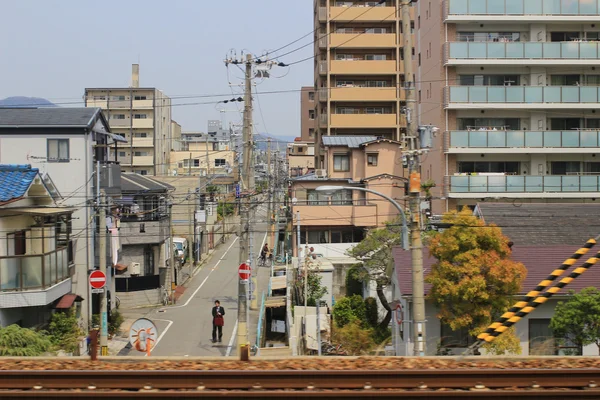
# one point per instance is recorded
(207, 159)
(102, 260)
(418, 314)
(269, 197)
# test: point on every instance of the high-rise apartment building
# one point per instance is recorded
(358, 71)
(143, 116)
(515, 89)
(307, 114)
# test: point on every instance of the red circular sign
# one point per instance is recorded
(244, 271)
(97, 279)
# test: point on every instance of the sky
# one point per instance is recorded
(55, 49)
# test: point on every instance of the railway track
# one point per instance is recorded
(110, 382)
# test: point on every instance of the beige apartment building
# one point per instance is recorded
(359, 72)
(143, 116)
(203, 158)
(515, 89)
(307, 114)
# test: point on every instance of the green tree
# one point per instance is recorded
(349, 309)
(578, 319)
(474, 279)
(22, 342)
(64, 331)
(224, 210)
(354, 338)
(315, 290)
(375, 252)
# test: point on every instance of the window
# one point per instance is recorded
(140, 153)
(489, 80)
(122, 154)
(118, 98)
(564, 167)
(347, 110)
(372, 159)
(117, 116)
(375, 110)
(315, 198)
(17, 243)
(377, 84)
(318, 237)
(311, 132)
(311, 96)
(139, 97)
(311, 114)
(58, 150)
(99, 97)
(457, 338)
(341, 198)
(375, 57)
(565, 80)
(219, 162)
(341, 163)
(140, 134)
(541, 339)
(142, 172)
(342, 57)
(509, 167)
(140, 116)
(300, 149)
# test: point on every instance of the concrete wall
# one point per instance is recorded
(142, 298)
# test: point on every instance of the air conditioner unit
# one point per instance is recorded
(134, 268)
(321, 173)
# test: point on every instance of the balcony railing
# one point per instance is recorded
(522, 139)
(523, 50)
(523, 94)
(522, 7)
(30, 272)
(524, 183)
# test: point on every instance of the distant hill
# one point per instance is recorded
(281, 140)
(22, 101)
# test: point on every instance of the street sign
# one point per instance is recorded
(97, 279)
(143, 335)
(96, 291)
(244, 271)
(237, 190)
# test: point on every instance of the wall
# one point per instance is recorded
(305, 105)
(175, 138)
(162, 133)
(177, 162)
(142, 298)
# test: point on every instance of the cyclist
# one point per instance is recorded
(263, 254)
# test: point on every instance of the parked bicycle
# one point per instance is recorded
(164, 295)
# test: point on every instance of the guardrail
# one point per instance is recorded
(524, 184)
(523, 50)
(521, 139)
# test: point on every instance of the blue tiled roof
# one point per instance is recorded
(15, 180)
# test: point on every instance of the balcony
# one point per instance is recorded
(522, 53)
(34, 280)
(366, 14)
(90, 102)
(144, 230)
(521, 11)
(362, 40)
(119, 123)
(363, 121)
(524, 186)
(360, 94)
(362, 67)
(143, 160)
(575, 141)
(527, 97)
(119, 104)
(142, 142)
(143, 104)
(345, 215)
(143, 123)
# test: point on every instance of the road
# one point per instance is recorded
(188, 330)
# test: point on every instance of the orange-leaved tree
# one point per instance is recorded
(474, 279)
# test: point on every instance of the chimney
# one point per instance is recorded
(135, 75)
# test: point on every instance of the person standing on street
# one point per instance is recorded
(218, 313)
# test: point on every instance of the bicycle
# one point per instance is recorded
(164, 295)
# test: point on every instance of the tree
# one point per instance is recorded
(474, 279)
(64, 331)
(22, 342)
(578, 319)
(315, 290)
(354, 338)
(375, 252)
(348, 310)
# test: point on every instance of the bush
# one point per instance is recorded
(22, 342)
(355, 339)
(115, 322)
(64, 331)
(348, 310)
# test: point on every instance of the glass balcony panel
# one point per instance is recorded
(588, 138)
(32, 272)
(495, 7)
(552, 94)
(514, 7)
(497, 184)
(497, 94)
(534, 50)
(570, 94)
(10, 274)
(570, 138)
(459, 50)
(53, 268)
(534, 184)
(65, 264)
(514, 94)
(532, 7)
(551, 50)
(588, 50)
(534, 94)
(552, 139)
(552, 184)
(515, 50)
(588, 94)
(515, 139)
(589, 183)
(588, 7)
(459, 94)
(477, 94)
(496, 139)
(459, 7)
(459, 184)
(534, 139)
(477, 7)
(478, 184)
(459, 139)
(496, 50)
(59, 265)
(477, 50)
(47, 276)
(477, 139)
(569, 7)
(552, 7)
(515, 183)
(569, 49)
(570, 184)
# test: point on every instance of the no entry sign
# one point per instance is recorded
(97, 279)
(244, 271)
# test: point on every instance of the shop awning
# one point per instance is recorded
(67, 301)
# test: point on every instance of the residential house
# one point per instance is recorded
(301, 158)
(69, 145)
(36, 257)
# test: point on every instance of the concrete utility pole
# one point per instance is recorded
(412, 139)
(269, 190)
(102, 260)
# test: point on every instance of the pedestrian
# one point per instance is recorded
(218, 321)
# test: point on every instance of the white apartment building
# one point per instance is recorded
(143, 116)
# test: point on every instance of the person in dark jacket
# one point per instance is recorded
(218, 312)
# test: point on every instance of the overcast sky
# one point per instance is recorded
(55, 49)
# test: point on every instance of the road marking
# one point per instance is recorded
(230, 346)
(162, 333)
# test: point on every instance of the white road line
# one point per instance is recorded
(162, 333)
(233, 335)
